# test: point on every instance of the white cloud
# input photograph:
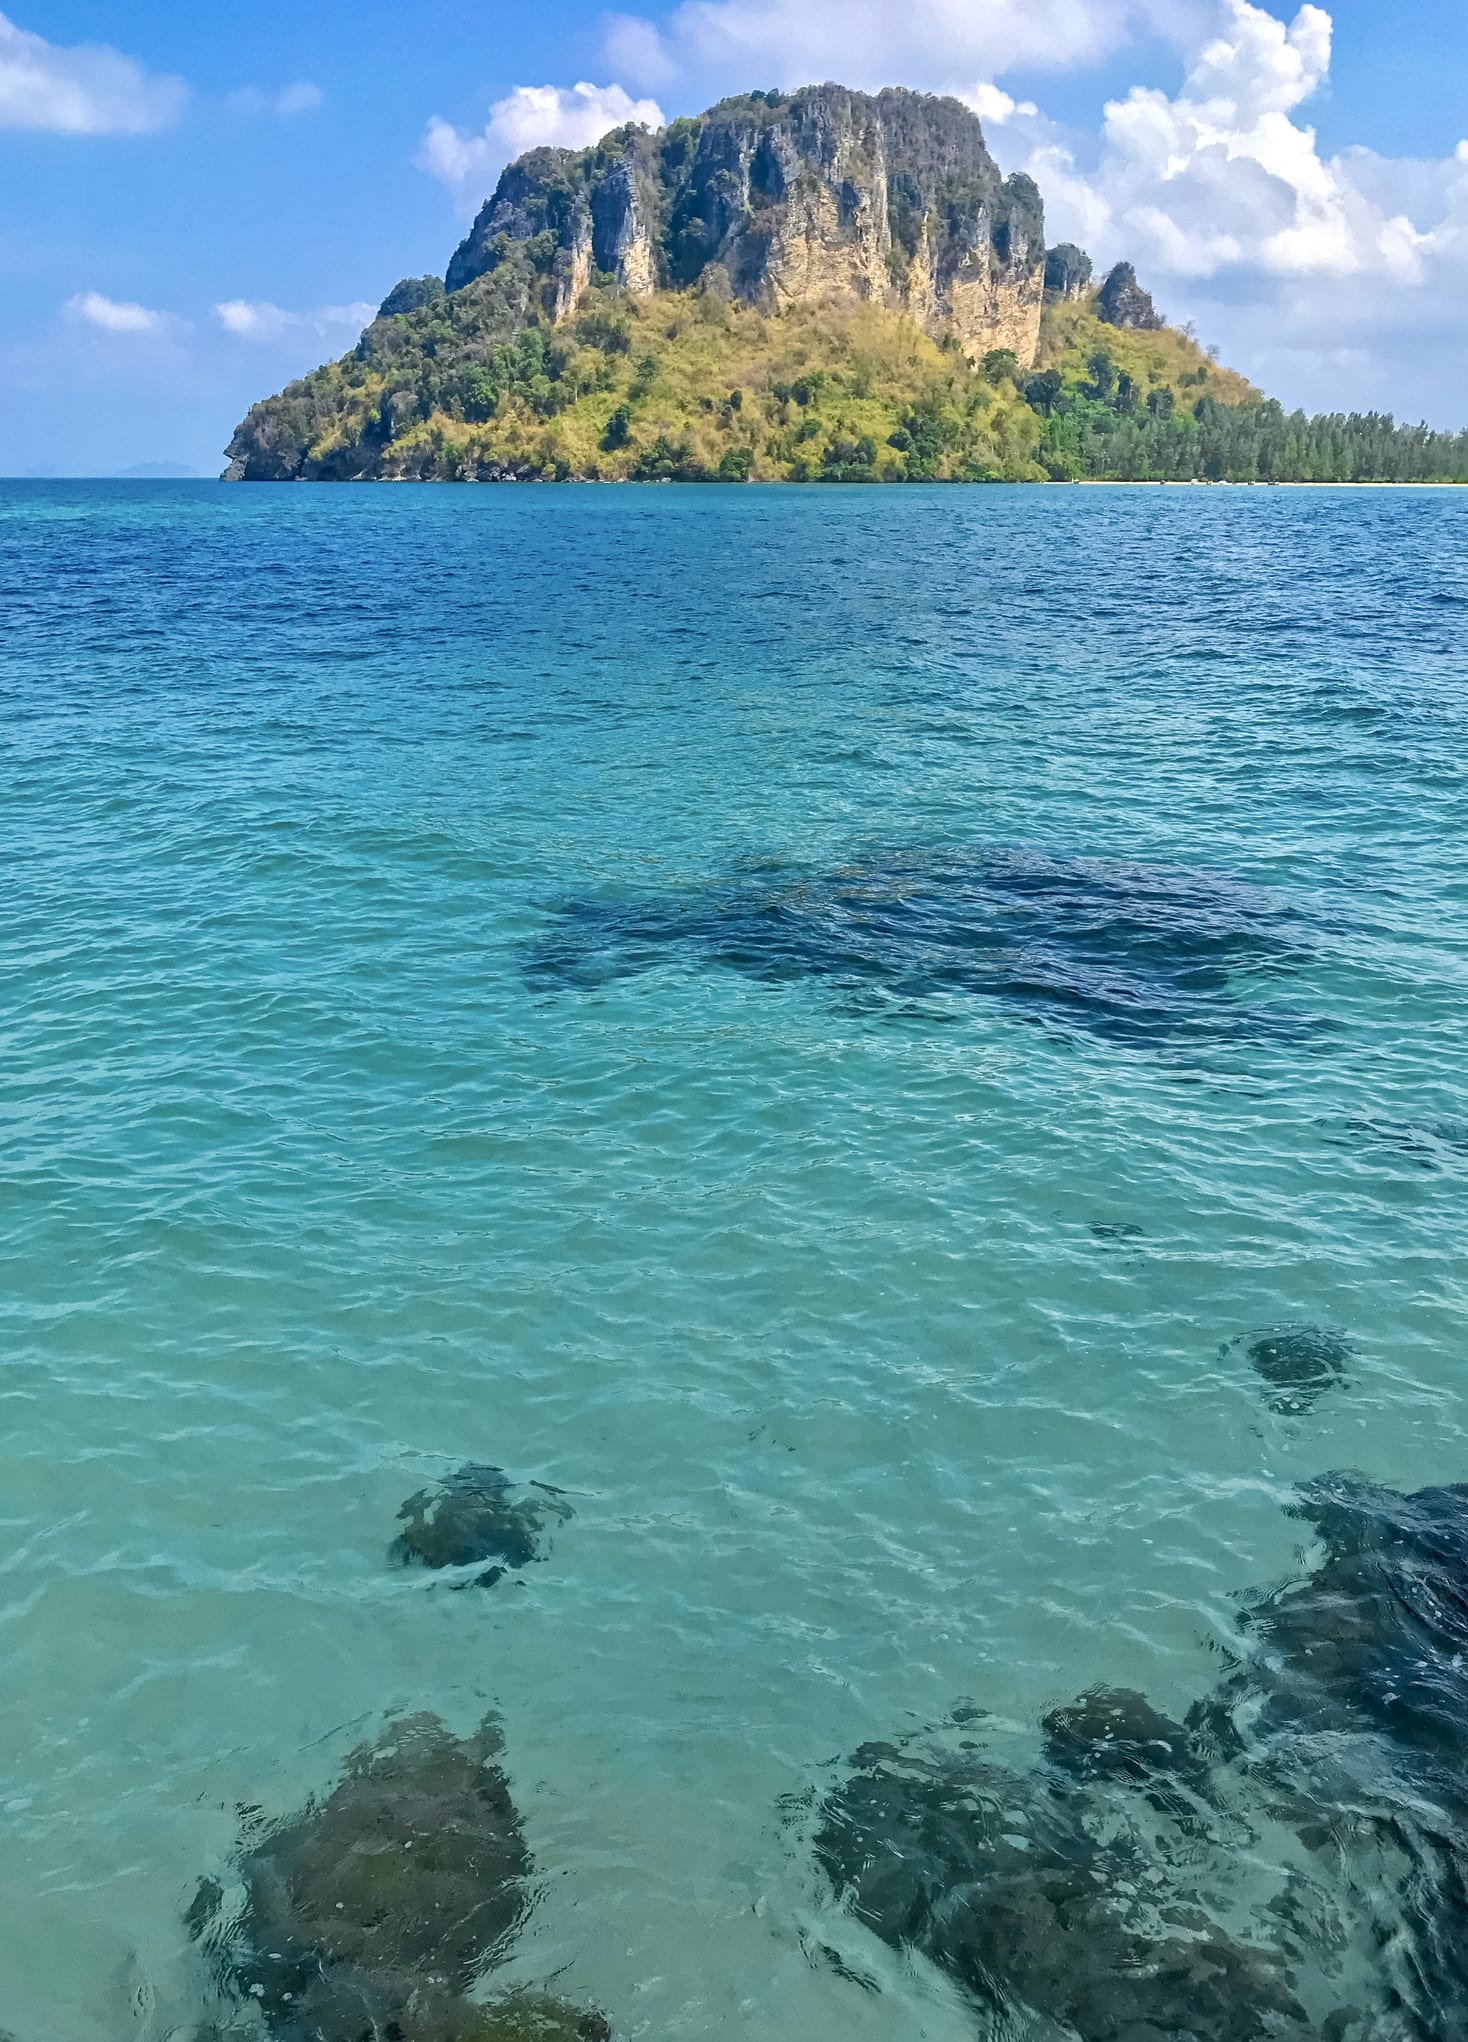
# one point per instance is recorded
(931, 43)
(1221, 177)
(994, 105)
(1337, 279)
(253, 320)
(634, 49)
(356, 315)
(532, 116)
(258, 319)
(85, 89)
(282, 104)
(112, 315)
(454, 157)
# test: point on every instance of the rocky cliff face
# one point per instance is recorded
(824, 196)
(1067, 273)
(1121, 301)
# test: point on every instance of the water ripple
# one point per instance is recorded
(547, 981)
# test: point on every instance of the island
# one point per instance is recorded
(820, 286)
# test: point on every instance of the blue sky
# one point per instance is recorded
(198, 202)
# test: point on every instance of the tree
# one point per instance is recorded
(411, 295)
(1103, 374)
(1042, 391)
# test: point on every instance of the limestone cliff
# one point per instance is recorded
(1067, 273)
(1121, 301)
(827, 196)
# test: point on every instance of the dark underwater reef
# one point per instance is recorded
(368, 1916)
(1037, 1896)
(1141, 954)
(478, 1517)
(1288, 1862)
(1299, 1364)
(1096, 1891)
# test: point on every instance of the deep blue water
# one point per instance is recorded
(832, 1027)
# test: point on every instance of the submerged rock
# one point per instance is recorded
(478, 1514)
(1115, 1733)
(1141, 954)
(1033, 1898)
(1377, 1637)
(368, 1916)
(1299, 1363)
(1430, 1144)
(1334, 1754)
(1350, 1717)
(523, 2017)
(406, 1877)
(338, 2011)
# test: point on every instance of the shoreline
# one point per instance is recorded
(626, 482)
(773, 482)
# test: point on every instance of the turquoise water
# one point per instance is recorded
(823, 1025)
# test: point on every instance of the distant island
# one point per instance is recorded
(821, 286)
(159, 471)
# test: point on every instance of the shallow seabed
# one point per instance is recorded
(681, 995)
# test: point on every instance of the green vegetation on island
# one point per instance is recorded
(692, 387)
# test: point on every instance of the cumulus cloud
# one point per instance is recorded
(1342, 276)
(1223, 176)
(994, 105)
(113, 315)
(253, 320)
(282, 104)
(934, 43)
(532, 116)
(83, 89)
(257, 319)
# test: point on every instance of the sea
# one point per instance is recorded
(905, 1050)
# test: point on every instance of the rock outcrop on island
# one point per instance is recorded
(824, 196)
(411, 295)
(1121, 301)
(1067, 273)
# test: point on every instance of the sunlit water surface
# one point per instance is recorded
(823, 1025)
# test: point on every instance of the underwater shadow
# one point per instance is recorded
(1141, 954)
